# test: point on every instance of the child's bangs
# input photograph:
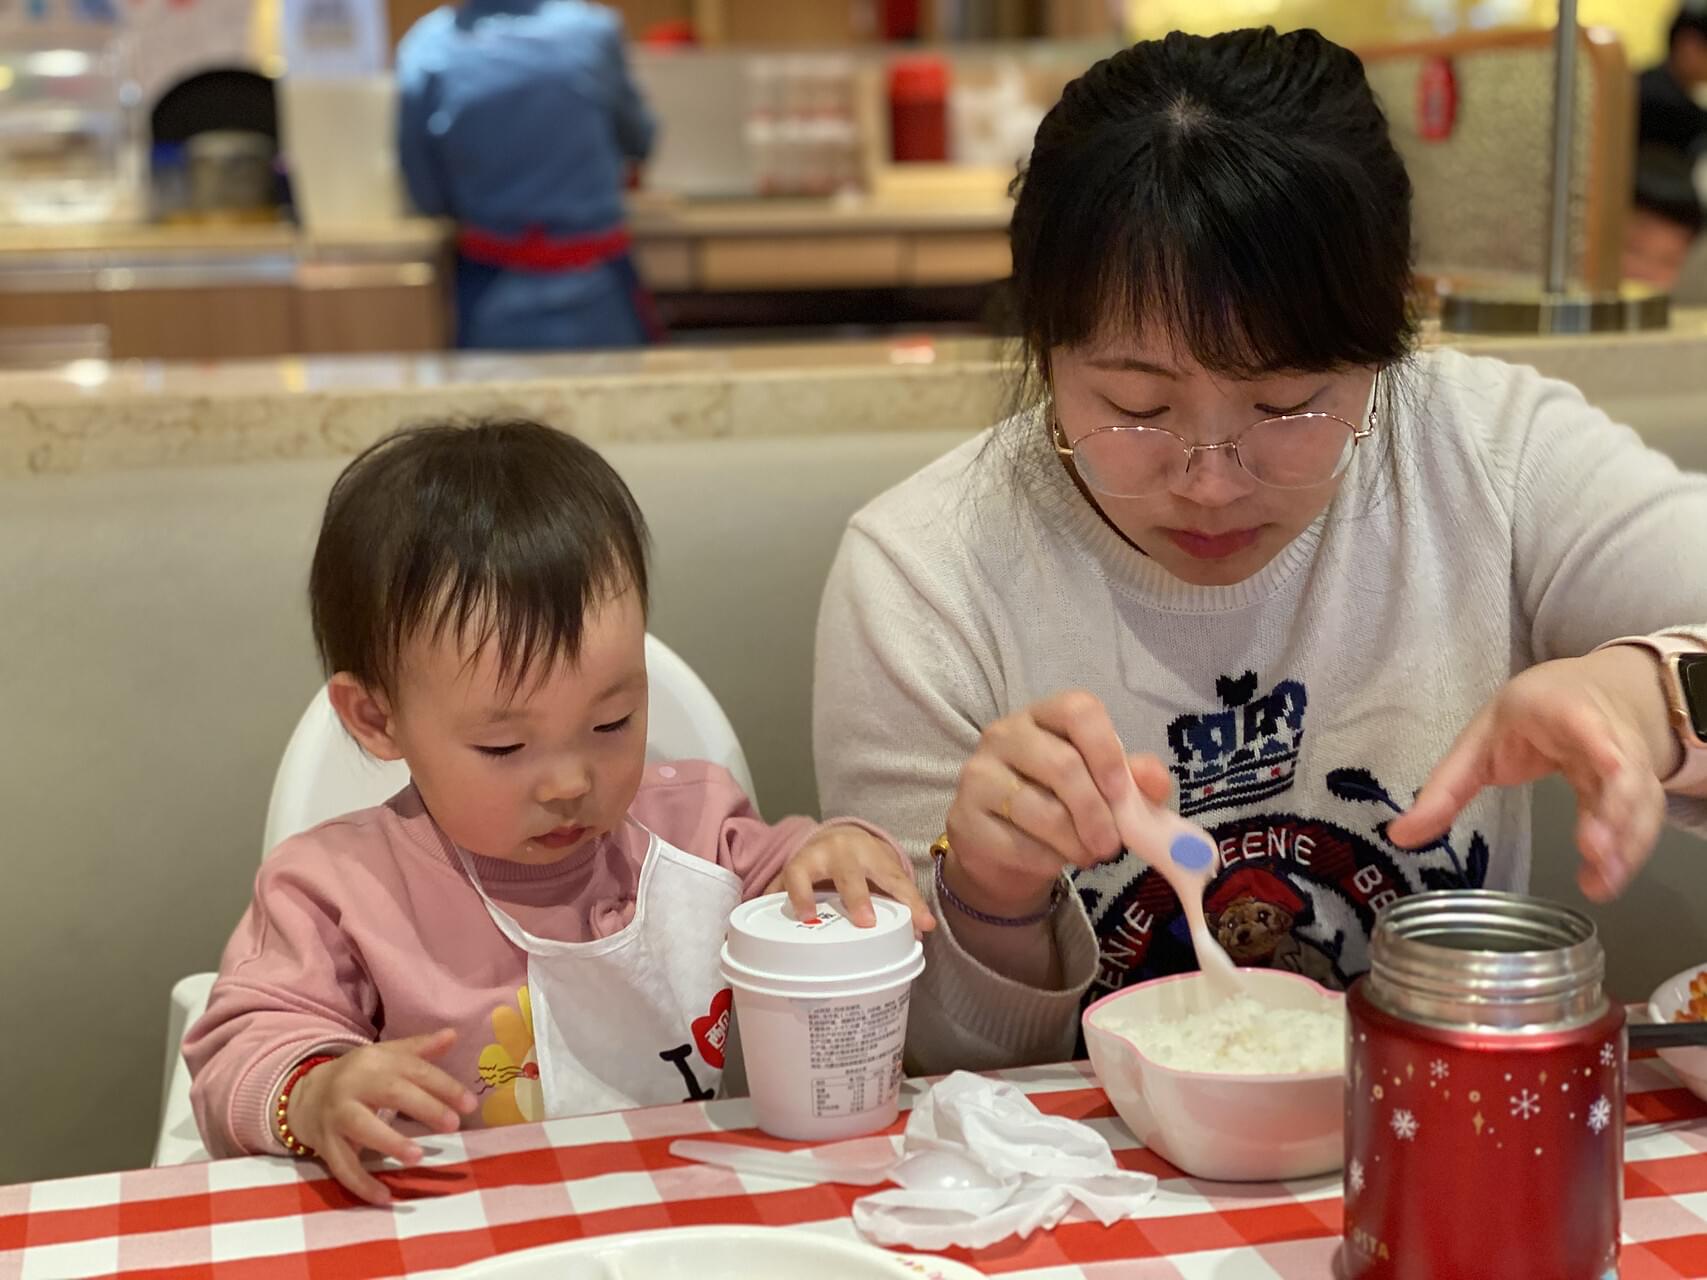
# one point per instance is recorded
(531, 620)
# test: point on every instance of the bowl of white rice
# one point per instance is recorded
(1248, 1089)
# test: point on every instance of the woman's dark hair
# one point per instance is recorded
(1238, 192)
(506, 530)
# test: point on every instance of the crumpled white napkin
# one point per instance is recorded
(1038, 1168)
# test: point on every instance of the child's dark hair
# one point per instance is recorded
(494, 530)
(1238, 192)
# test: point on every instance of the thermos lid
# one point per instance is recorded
(1476, 958)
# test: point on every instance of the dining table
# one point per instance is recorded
(487, 1192)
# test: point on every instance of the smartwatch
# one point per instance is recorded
(1683, 680)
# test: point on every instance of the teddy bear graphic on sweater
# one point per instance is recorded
(1296, 891)
(1252, 913)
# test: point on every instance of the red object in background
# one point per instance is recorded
(900, 19)
(1437, 100)
(1481, 1154)
(918, 110)
(671, 34)
(536, 251)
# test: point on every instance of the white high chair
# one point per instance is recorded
(324, 773)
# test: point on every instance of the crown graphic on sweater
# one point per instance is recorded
(1243, 753)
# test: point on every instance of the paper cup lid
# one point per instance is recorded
(767, 939)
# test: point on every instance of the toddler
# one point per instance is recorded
(531, 928)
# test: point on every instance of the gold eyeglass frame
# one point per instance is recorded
(1065, 448)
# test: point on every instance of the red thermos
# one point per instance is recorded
(1484, 1096)
(918, 110)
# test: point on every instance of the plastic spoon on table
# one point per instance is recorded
(938, 1169)
(859, 1162)
(1182, 854)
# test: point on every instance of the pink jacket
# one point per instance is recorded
(362, 930)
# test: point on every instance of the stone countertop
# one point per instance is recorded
(95, 415)
(650, 216)
(409, 238)
(670, 235)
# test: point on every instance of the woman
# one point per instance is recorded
(518, 119)
(1247, 534)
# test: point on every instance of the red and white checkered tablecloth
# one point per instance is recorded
(496, 1190)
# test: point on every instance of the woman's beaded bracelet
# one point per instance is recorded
(939, 853)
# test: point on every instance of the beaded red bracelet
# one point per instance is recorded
(292, 1145)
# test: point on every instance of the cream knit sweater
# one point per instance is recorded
(1500, 521)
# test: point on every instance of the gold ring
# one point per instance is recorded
(1006, 812)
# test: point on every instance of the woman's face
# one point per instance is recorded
(1214, 525)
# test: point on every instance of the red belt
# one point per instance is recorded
(536, 251)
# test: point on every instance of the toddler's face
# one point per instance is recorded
(528, 775)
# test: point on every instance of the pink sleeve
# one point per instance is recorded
(700, 808)
(289, 986)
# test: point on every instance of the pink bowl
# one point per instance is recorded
(1229, 1128)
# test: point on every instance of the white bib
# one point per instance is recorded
(642, 1017)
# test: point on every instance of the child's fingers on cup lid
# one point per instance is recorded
(855, 892)
(798, 884)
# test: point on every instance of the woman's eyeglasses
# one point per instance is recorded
(1291, 451)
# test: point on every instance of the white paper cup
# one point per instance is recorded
(822, 1006)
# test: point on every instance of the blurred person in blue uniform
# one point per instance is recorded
(519, 120)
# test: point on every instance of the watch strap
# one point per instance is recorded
(1691, 775)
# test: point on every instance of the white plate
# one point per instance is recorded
(715, 1253)
(1690, 1064)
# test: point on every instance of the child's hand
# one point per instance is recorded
(852, 860)
(332, 1108)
